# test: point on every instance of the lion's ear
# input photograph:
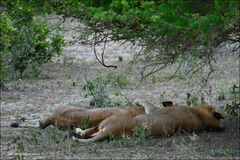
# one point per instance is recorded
(167, 103)
(218, 115)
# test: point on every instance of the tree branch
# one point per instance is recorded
(102, 55)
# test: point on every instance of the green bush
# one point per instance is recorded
(233, 108)
(34, 44)
(98, 89)
(6, 29)
(27, 41)
(168, 31)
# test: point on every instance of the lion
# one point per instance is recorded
(162, 122)
(68, 118)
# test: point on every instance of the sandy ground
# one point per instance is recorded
(61, 85)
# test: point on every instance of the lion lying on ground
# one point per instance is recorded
(68, 118)
(162, 122)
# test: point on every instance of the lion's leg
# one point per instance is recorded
(98, 136)
(90, 132)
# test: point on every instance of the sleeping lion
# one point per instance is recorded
(68, 118)
(65, 118)
(161, 122)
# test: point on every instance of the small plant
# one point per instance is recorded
(154, 79)
(221, 96)
(162, 95)
(53, 139)
(208, 136)
(188, 147)
(194, 137)
(55, 136)
(85, 123)
(92, 148)
(20, 118)
(141, 132)
(98, 89)
(74, 84)
(222, 152)
(73, 145)
(193, 100)
(34, 136)
(120, 58)
(66, 75)
(19, 147)
(117, 79)
(119, 141)
(233, 108)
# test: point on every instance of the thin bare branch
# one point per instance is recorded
(102, 55)
(179, 66)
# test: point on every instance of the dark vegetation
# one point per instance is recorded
(27, 41)
(167, 31)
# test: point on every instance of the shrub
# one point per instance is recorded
(98, 89)
(167, 31)
(27, 41)
(233, 108)
(6, 29)
(34, 44)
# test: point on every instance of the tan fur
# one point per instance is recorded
(162, 122)
(64, 118)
